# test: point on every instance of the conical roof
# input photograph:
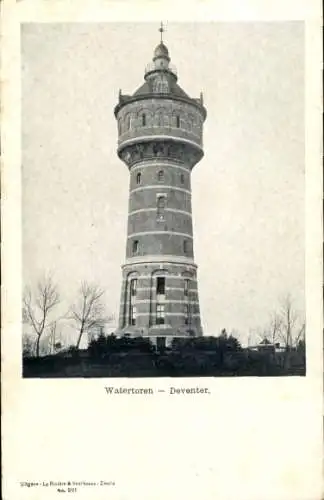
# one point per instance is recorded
(174, 89)
(160, 81)
(161, 51)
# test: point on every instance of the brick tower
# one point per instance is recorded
(160, 140)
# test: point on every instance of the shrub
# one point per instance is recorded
(105, 345)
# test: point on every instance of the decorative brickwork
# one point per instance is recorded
(160, 140)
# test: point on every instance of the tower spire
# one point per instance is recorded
(161, 30)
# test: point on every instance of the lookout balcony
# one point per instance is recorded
(152, 67)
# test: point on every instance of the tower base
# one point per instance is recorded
(160, 299)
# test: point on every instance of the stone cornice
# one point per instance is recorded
(160, 147)
(160, 259)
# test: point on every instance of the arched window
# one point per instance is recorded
(160, 176)
(160, 285)
(135, 247)
(138, 178)
(161, 202)
(160, 119)
(182, 178)
(185, 246)
(132, 301)
(160, 314)
(161, 85)
(160, 293)
(133, 286)
(190, 123)
(133, 315)
(186, 313)
(143, 120)
(128, 122)
(160, 206)
(178, 121)
(186, 287)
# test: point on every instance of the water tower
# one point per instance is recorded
(160, 132)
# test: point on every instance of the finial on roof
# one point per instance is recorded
(161, 30)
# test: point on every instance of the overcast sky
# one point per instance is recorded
(247, 191)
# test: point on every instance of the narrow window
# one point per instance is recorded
(135, 247)
(160, 286)
(186, 313)
(159, 314)
(178, 121)
(160, 176)
(185, 246)
(143, 120)
(138, 178)
(128, 122)
(160, 205)
(160, 119)
(133, 315)
(133, 287)
(186, 287)
(160, 202)
(161, 84)
(182, 178)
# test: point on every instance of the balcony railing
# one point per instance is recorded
(151, 67)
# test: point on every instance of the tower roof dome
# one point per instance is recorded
(161, 51)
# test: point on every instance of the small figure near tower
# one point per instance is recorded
(160, 132)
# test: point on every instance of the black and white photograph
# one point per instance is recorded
(162, 244)
(163, 199)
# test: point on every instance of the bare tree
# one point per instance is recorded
(275, 327)
(88, 311)
(255, 335)
(52, 338)
(260, 334)
(37, 307)
(300, 336)
(54, 342)
(28, 346)
(292, 328)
